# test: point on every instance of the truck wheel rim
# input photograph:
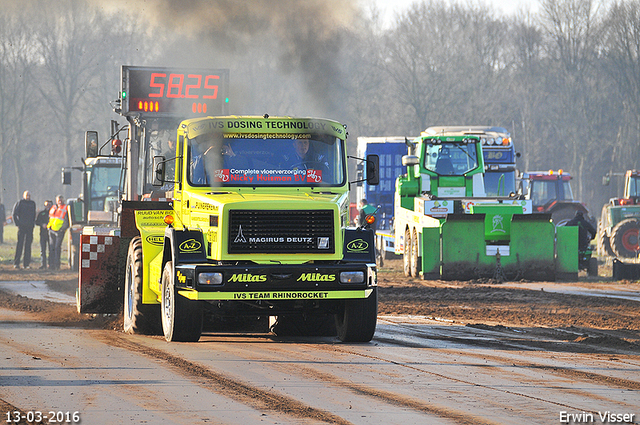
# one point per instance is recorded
(630, 240)
(167, 303)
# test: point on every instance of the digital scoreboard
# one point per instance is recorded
(149, 91)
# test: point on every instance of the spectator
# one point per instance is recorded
(42, 219)
(58, 225)
(24, 216)
(3, 220)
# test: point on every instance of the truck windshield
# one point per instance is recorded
(309, 160)
(451, 159)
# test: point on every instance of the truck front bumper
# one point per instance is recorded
(257, 282)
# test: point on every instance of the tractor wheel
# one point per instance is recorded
(604, 244)
(415, 259)
(592, 268)
(356, 320)
(139, 318)
(181, 317)
(624, 238)
(406, 256)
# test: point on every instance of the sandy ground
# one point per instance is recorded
(483, 304)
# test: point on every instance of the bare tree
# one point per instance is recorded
(623, 64)
(526, 86)
(79, 51)
(17, 103)
(420, 56)
(574, 32)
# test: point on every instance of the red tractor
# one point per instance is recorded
(550, 192)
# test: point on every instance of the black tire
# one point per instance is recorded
(139, 318)
(415, 258)
(406, 255)
(592, 268)
(181, 317)
(604, 244)
(624, 238)
(356, 320)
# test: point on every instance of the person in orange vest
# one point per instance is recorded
(58, 225)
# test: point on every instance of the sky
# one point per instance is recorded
(389, 8)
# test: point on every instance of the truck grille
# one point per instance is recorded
(272, 231)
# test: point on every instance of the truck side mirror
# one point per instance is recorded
(66, 177)
(91, 144)
(158, 170)
(373, 170)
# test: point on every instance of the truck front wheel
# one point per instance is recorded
(139, 318)
(356, 320)
(181, 317)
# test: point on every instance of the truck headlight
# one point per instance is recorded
(351, 277)
(210, 279)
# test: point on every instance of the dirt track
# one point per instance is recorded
(441, 352)
(511, 304)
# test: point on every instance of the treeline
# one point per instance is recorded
(565, 81)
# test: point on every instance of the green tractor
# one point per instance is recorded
(446, 227)
(619, 228)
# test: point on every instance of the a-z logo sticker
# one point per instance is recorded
(357, 245)
(157, 240)
(190, 245)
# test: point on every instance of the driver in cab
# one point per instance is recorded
(304, 158)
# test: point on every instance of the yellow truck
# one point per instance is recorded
(257, 227)
(246, 218)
